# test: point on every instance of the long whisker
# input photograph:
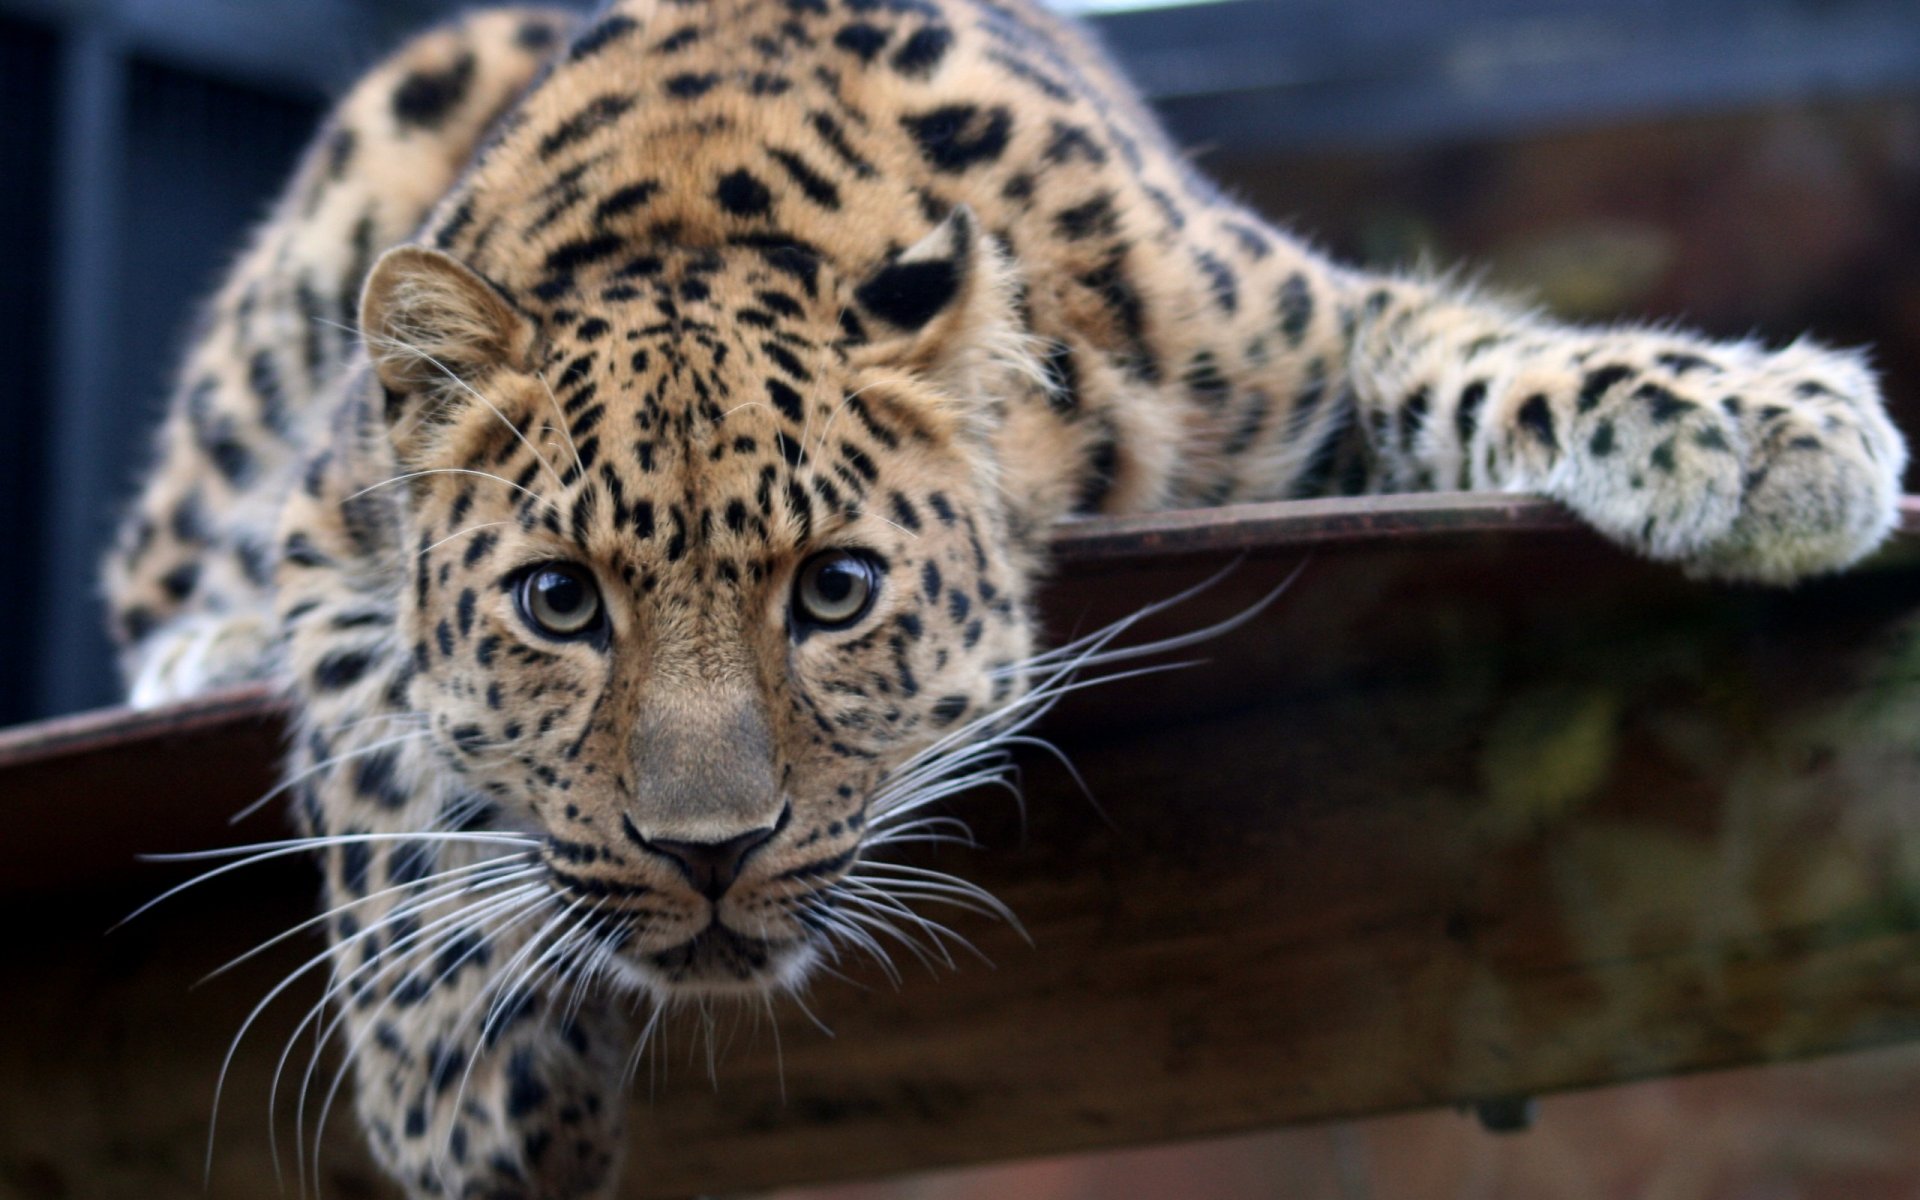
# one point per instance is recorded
(801, 1003)
(876, 899)
(941, 881)
(895, 891)
(522, 985)
(372, 487)
(963, 831)
(821, 915)
(986, 759)
(493, 996)
(1062, 662)
(640, 1045)
(1031, 707)
(879, 924)
(895, 804)
(486, 868)
(1106, 633)
(464, 532)
(282, 787)
(282, 849)
(560, 416)
(337, 730)
(779, 1052)
(976, 755)
(584, 950)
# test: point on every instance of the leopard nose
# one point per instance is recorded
(712, 867)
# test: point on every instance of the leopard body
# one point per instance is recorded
(689, 292)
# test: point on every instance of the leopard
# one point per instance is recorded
(631, 444)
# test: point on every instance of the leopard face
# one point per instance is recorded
(698, 567)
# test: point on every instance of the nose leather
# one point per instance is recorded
(712, 867)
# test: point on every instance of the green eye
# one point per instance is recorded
(560, 600)
(834, 589)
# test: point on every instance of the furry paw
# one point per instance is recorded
(1735, 463)
(1823, 468)
(198, 653)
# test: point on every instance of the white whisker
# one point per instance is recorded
(282, 849)
(898, 891)
(498, 999)
(880, 925)
(566, 431)
(254, 1015)
(640, 1045)
(877, 900)
(464, 532)
(506, 866)
(930, 879)
(824, 916)
(389, 482)
(323, 764)
(800, 1003)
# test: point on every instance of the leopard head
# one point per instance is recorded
(711, 570)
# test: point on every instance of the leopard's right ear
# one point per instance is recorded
(434, 330)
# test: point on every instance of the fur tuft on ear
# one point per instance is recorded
(433, 329)
(945, 308)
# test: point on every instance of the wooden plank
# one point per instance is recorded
(84, 795)
(1480, 808)
(1453, 826)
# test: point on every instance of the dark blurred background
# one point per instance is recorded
(1743, 165)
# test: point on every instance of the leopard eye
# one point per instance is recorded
(560, 600)
(834, 589)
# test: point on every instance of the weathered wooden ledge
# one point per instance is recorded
(1481, 808)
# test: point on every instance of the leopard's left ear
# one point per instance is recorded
(945, 308)
(435, 331)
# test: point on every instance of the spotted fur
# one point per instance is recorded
(689, 292)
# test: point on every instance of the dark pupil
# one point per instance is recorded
(561, 593)
(836, 582)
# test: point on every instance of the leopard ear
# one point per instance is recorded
(434, 329)
(943, 307)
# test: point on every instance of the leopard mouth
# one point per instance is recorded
(719, 959)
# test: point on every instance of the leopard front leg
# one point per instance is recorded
(480, 1069)
(1736, 462)
(532, 1107)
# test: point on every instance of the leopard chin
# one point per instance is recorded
(718, 961)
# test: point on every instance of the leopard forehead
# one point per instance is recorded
(699, 412)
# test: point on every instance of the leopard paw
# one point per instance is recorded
(1734, 463)
(199, 653)
(1822, 482)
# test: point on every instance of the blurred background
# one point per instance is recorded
(1742, 165)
